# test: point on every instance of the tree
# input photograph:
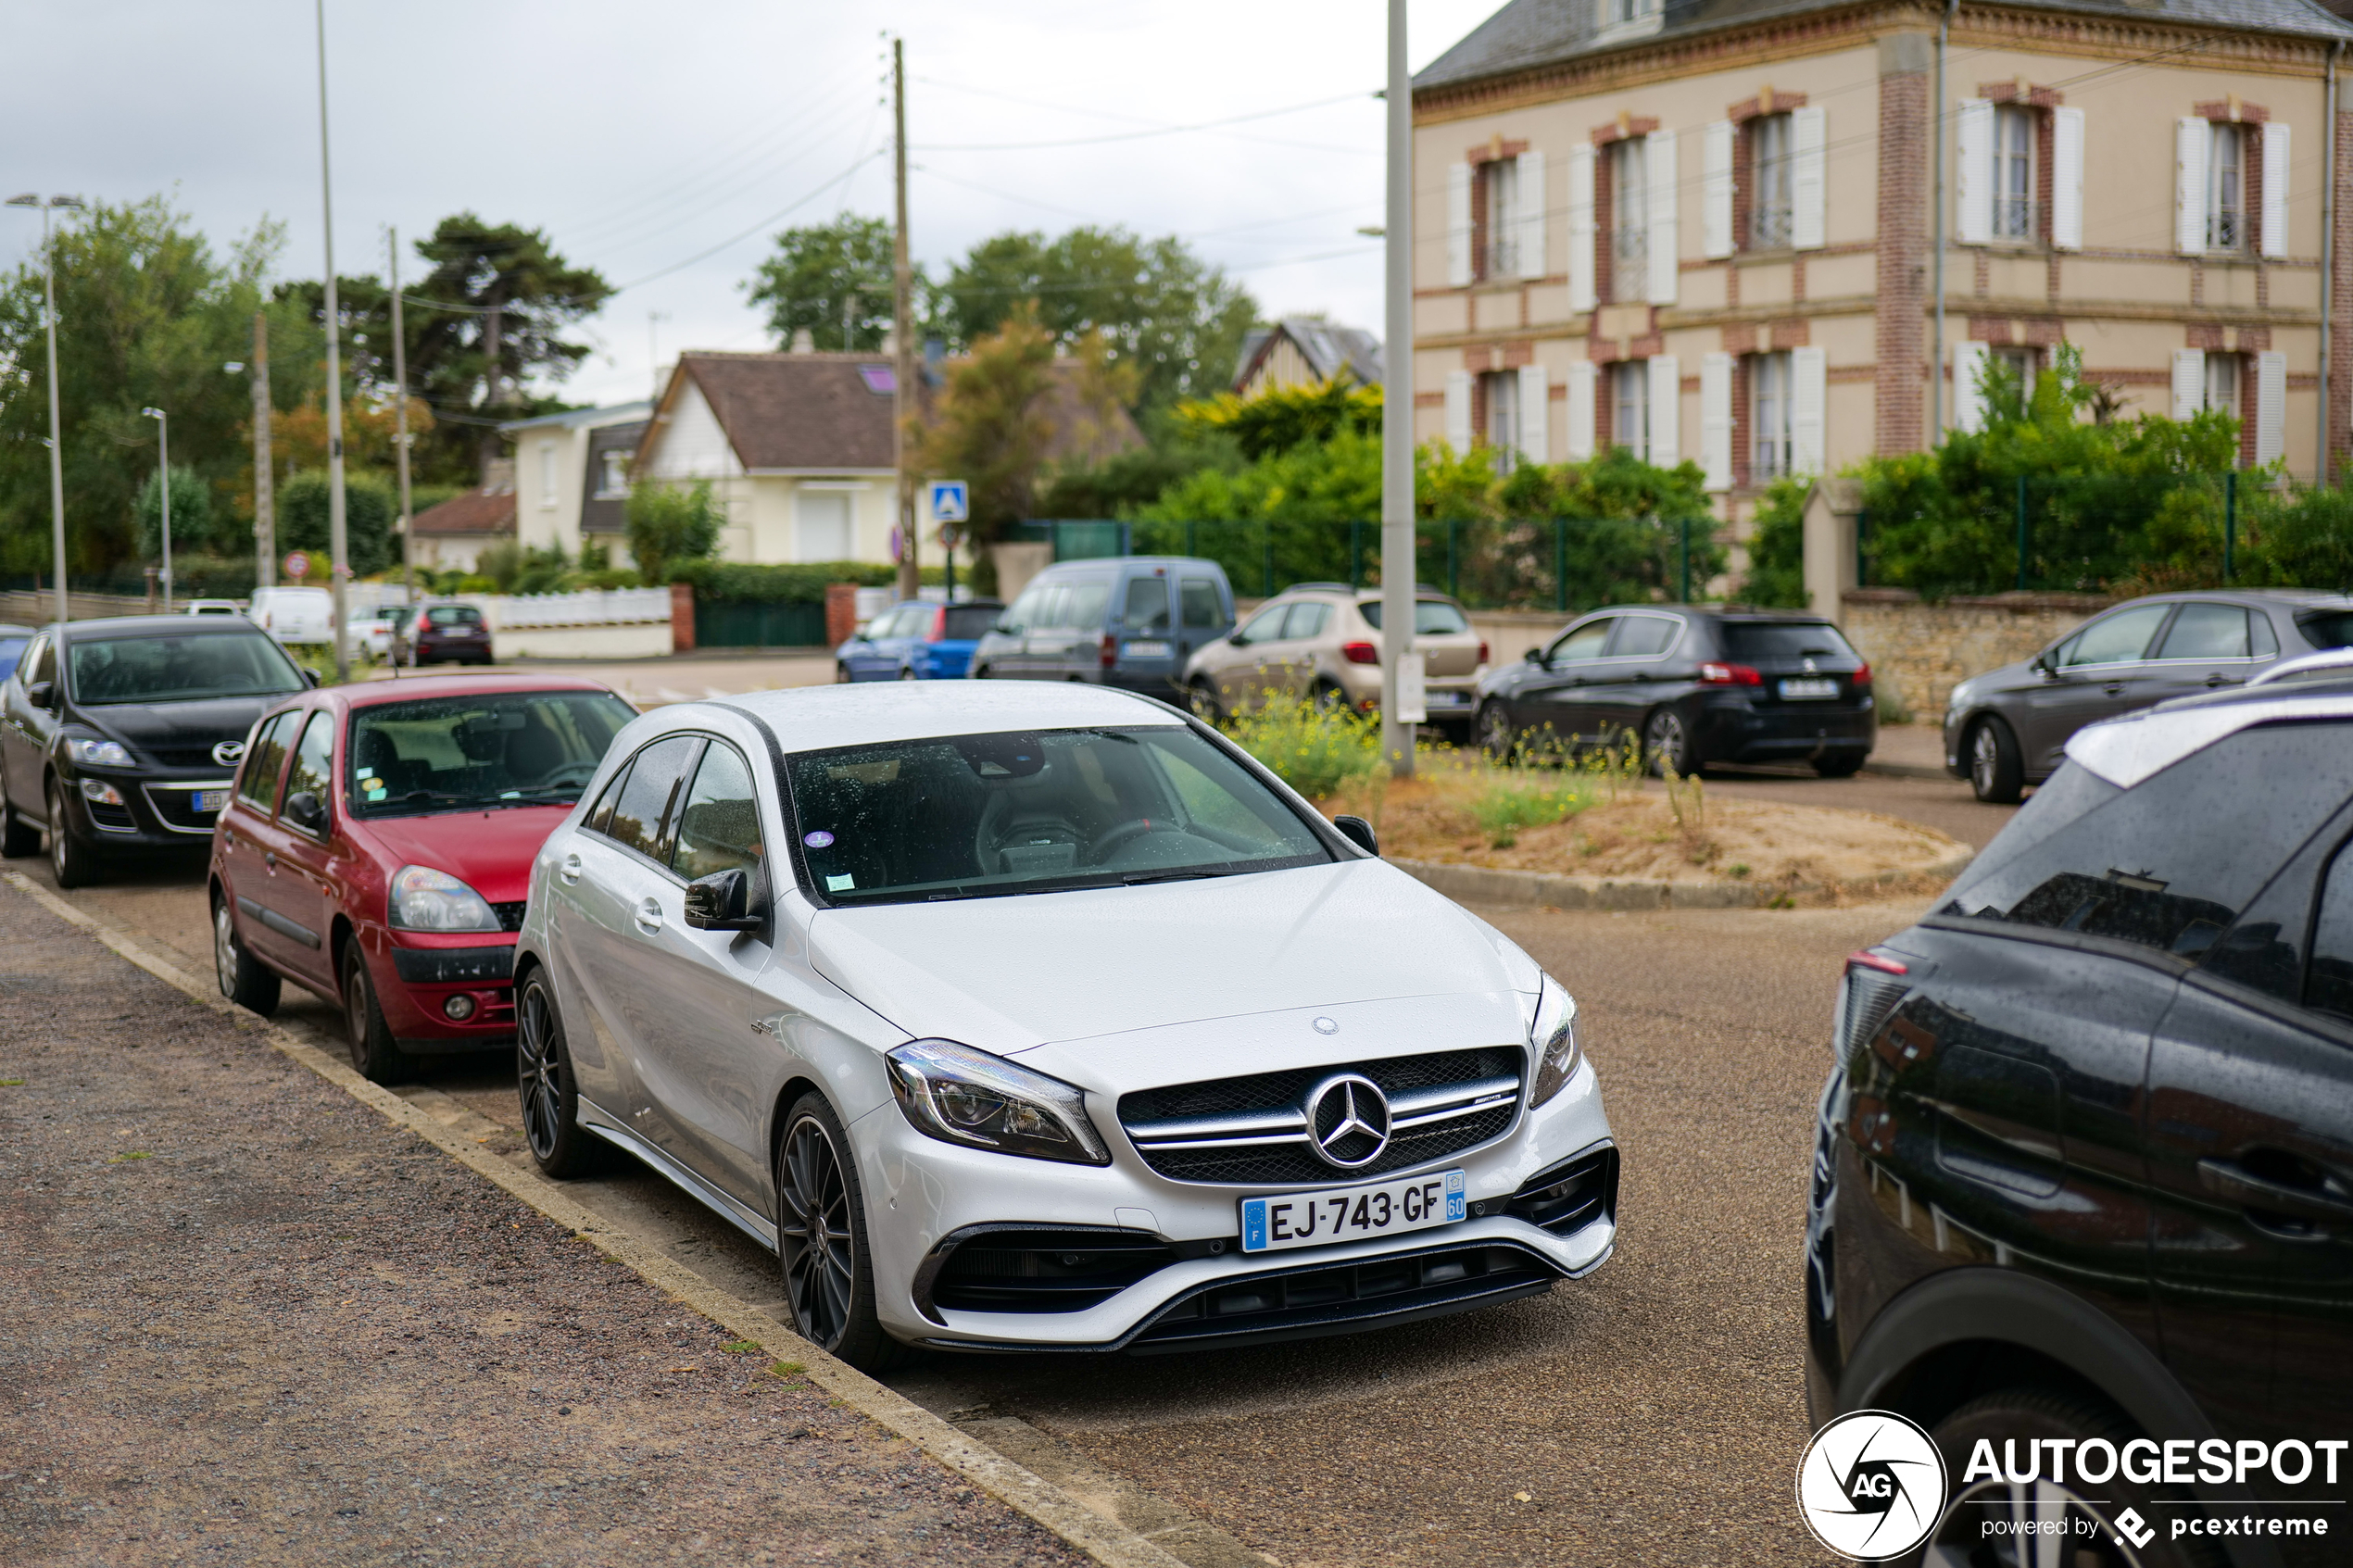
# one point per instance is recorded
(667, 525)
(832, 280)
(1157, 305)
(192, 526)
(1281, 418)
(368, 508)
(1777, 546)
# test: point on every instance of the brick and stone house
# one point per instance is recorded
(1708, 229)
(1305, 351)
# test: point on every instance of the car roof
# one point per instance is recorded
(160, 626)
(2126, 750)
(9, 629)
(2293, 599)
(1122, 563)
(411, 688)
(878, 712)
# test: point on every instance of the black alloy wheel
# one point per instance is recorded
(821, 1240)
(375, 1055)
(71, 862)
(1496, 736)
(1995, 772)
(20, 839)
(244, 978)
(561, 1146)
(1666, 745)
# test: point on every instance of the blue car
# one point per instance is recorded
(916, 640)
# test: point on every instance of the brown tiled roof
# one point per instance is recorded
(797, 410)
(477, 511)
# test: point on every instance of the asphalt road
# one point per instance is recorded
(1652, 1414)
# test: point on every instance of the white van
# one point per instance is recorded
(294, 615)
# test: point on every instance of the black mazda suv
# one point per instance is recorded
(122, 736)
(2084, 1171)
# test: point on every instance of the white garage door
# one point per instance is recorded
(820, 526)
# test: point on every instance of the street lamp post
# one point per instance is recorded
(1397, 412)
(337, 542)
(163, 481)
(57, 447)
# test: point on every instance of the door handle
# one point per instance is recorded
(2220, 680)
(570, 870)
(2228, 1179)
(650, 915)
(2114, 688)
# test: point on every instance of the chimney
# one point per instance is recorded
(803, 341)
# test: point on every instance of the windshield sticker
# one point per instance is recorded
(367, 772)
(865, 772)
(821, 839)
(840, 883)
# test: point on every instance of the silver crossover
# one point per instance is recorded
(1041, 1017)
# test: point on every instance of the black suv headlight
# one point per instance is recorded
(961, 1096)
(98, 753)
(1552, 1032)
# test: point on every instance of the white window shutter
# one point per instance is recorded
(1535, 414)
(1969, 387)
(1532, 210)
(1458, 224)
(1659, 150)
(1715, 197)
(2271, 405)
(1458, 410)
(2275, 164)
(1665, 378)
(1809, 178)
(2190, 137)
(1582, 374)
(1582, 235)
(2067, 179)
(1976, 147)
(2189, 381)
(1716, 372)
(1809, 375)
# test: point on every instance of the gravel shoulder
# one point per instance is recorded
(244, 1320)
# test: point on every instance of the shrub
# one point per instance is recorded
(303, 523)
(1314, 748)
(669, 526)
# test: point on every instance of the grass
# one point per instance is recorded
(1316, 749)
(1502, 801)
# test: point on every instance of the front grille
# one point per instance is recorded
(1335, 1299)
(1021, 1269)
(175, 806)
(511, 915)
(1253, 1130)
(186, 756)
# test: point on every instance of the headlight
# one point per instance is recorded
(425, 899)
(100, 753)
(1552, 1030)
(958, 1095)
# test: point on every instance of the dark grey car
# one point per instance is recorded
(2007, 728)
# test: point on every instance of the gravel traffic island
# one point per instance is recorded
(244, 1320)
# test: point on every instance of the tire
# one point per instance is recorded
(1996, 772)
(906, 673)
(1666, 744)
(20, 840)
(2020, 1415)
(1497, 738)
(71, 860)
(1201, 697)
(245, 979)
(821, 1240)
(374, 1054)
(841, 674)
(982, 672)
(1845, 765)
(561, 1145)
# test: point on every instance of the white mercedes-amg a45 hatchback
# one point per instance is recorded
(1020, 1017)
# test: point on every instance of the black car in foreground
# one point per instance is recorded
(1695, 684)
(2007, 728)
(2084, 1169)
(124, 735)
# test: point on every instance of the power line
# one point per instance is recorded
(1130, 136)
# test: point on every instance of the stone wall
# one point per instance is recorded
(1921, 651)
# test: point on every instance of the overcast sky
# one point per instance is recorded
(663, 144)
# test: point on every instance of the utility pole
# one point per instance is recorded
(902, 332)
(400, 416)
(265, 520)
(163, 485)
(337, 542)
(56, 442)
(653, 350)
(493, 345)
(1397, 411)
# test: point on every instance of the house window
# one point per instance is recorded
(1500, 394)
(2013, 173)
(1630, 220)
(1769, 406)
(2226, 188)
(612, 478)
(1768, 204)
(1501, 179)
(1616, 11)
(2020, 365)
(546, 476)
(2221, 392)
(1629, 384)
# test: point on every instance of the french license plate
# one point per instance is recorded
(1445, 699)
(1808, 691)
(1147, 650)
(1319, 1219)
(212, 799)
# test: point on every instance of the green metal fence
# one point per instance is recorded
(736, 623)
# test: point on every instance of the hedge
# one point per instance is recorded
(801, 583)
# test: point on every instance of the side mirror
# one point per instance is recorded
(310, 676)
(306, 811)
(1359, 831)
(42, 694)
(1534, 655)
(724, 901)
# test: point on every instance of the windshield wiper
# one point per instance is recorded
(1182, 873)
(564, 791)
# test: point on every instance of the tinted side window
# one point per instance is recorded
(1581, 643)
(644, 797)
(1025, 608)
(1147, 606)
(967, 622)
(1084, 608)
(2329, 629)
(41, 664)
(1200, 603)
(599, 820)
(719, 825)
(2169, 863)
(1756, 642)
(1642, 636)
(2203, 631)
(1264, 627)
(2329, 987)
(1306, 620)
(2117, 639)
(266, 763)
(313, 759)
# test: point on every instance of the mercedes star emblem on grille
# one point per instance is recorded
(1347, 1121)
(229, 753)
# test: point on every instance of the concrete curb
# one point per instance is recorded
(1907, 770)
(1104, 1541)
(1487, 884)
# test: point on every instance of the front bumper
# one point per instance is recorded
(921, 1193)
(155, 811)
(414, 984)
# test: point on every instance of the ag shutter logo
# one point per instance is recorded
(1871, 1485)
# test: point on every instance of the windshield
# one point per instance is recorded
(178, 668)
(456, 753)
(977, 816)
(1759, 642)
(1432, 618)
(454, 615)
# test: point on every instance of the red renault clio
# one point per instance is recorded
(376, 850)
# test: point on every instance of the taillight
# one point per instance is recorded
(1110, 650)
(1879, 961)
(939, 632)
(1728, 675)
(1360, 652)
(1862, 676)
(1483, 651)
